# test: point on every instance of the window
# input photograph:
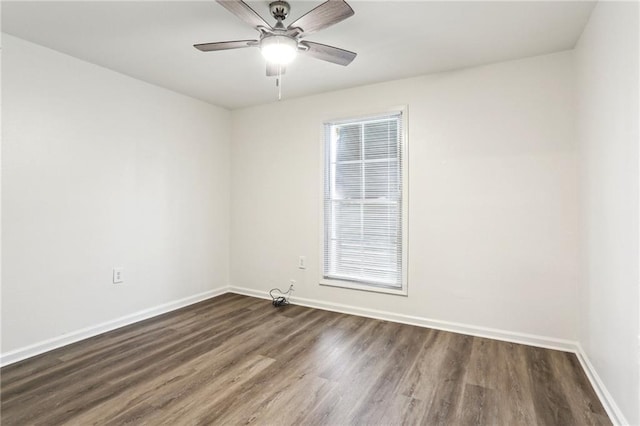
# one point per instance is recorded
(365, 221)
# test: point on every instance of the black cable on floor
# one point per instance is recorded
(280, 300)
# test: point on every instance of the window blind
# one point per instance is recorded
(363, 201)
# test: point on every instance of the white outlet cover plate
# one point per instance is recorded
(118, 275)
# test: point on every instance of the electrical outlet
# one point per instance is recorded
(302, 262)
(292, 283)
(118, 275)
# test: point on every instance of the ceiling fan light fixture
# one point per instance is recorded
(279, 49)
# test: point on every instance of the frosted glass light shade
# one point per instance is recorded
(278, 49)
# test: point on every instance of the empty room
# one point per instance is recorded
(318, 212)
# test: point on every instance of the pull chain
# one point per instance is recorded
(279, 82)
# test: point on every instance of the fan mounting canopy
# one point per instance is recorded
(279, 10)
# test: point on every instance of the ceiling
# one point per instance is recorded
(152, 41)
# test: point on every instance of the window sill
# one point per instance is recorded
(364, 287)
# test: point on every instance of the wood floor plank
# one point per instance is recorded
(483, 370)
(478, 406)
(238, 360)
(421, 378)
(266, 387)
(360, 376)
(578, 390)
(551, 404)
(197, 399)
(352, 352)
(403, 410)
(448, 393)
(401, 353)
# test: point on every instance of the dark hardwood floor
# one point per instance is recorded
(238, 360)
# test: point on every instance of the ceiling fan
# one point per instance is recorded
(280, 44)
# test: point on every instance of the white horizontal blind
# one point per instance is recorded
(363, 201)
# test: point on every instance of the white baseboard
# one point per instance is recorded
(472, 330)
(75, 336)
(614, 412)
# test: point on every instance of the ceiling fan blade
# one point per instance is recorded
(272, 69)
(329, 53)
(225, 45)
(244, 12)
(328, 13)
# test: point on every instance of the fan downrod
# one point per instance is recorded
(279, 9)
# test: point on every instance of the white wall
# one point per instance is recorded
(607, 65)
(101, 170)
(493, 207)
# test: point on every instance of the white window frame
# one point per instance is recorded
(403, 290)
